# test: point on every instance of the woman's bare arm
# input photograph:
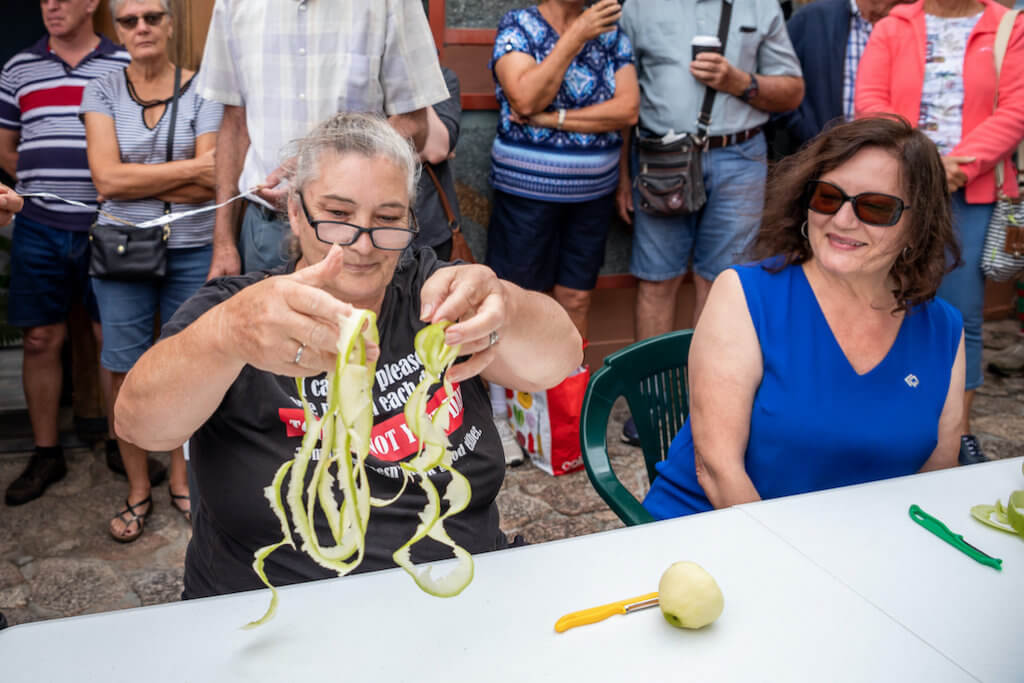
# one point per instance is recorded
(530, 85)
(950, 421)
(115, 179)
(621, 111)
(725, 368)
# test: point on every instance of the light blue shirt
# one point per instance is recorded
(661, 32)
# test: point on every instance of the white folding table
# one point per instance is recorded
(863, 536)
(794, 609)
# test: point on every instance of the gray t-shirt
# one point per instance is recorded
(670, 97)
(140, 144)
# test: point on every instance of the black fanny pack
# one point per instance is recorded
(669, 178)
(670, 175)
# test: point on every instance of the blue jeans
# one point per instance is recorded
(49, 273)
(964, 288)
(262, 240)
(127, 309)
(714, 237)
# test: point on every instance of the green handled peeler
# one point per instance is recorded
(956, 540)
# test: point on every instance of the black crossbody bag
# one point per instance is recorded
(670, 177)
(129, 253)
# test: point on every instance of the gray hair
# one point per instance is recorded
(116, 5)
(368, 135)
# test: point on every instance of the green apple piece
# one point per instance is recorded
(993, 515)
(688, 596)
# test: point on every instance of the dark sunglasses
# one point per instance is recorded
(344, 234)
(873, 208)
(151, 19)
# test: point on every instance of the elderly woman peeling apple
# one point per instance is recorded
(828, 361)
(223, 371)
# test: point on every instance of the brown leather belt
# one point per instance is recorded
(716, 141)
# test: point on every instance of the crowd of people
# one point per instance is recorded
(837, 285)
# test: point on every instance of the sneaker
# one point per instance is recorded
(157, 471)
(513, 451)
(40, 473)
(970, 450)
(1009, 361)
(630, 434)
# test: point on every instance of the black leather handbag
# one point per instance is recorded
(669, 177)
(127, 252)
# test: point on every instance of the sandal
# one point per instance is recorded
(136, 518)
(175, 497)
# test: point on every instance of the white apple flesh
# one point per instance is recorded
(688, 596)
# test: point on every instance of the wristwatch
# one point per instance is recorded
(750, 92)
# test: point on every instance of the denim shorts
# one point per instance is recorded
(537, 244)
(49, 273)
(715, 237)
(127, 309)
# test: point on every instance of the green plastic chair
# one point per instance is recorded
(652, 375)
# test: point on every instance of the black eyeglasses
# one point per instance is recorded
(873, 208)
(151, 19)
(344, 234)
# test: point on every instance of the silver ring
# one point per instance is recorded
(298, 354)
(493, 339)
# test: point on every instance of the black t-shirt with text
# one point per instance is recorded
(259, 425)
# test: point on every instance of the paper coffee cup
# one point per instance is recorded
(705, 44)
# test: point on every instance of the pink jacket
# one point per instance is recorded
(891, 75)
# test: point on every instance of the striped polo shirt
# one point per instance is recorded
(39, 97)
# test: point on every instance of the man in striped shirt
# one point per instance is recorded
(42, 144)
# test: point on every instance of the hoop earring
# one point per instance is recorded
(906, 253)
(803, 230)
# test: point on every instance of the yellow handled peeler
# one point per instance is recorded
(595, 614)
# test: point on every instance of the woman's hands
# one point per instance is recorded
(266, 324)
(473, 296)
(597, 19)
(536, 345)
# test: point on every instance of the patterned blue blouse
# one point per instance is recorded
(588, 80)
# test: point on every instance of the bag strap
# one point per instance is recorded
(999, 52)
(174, 119)
(448, 213)
(704, 119)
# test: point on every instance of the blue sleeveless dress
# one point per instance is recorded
(815, 423)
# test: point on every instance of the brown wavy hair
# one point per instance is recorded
(931, 249)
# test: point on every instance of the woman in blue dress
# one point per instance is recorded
(828, 361)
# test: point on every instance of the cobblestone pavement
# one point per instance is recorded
(56, 558)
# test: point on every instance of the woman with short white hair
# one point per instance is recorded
(225, 372)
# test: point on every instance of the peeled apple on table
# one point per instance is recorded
(689, 597)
